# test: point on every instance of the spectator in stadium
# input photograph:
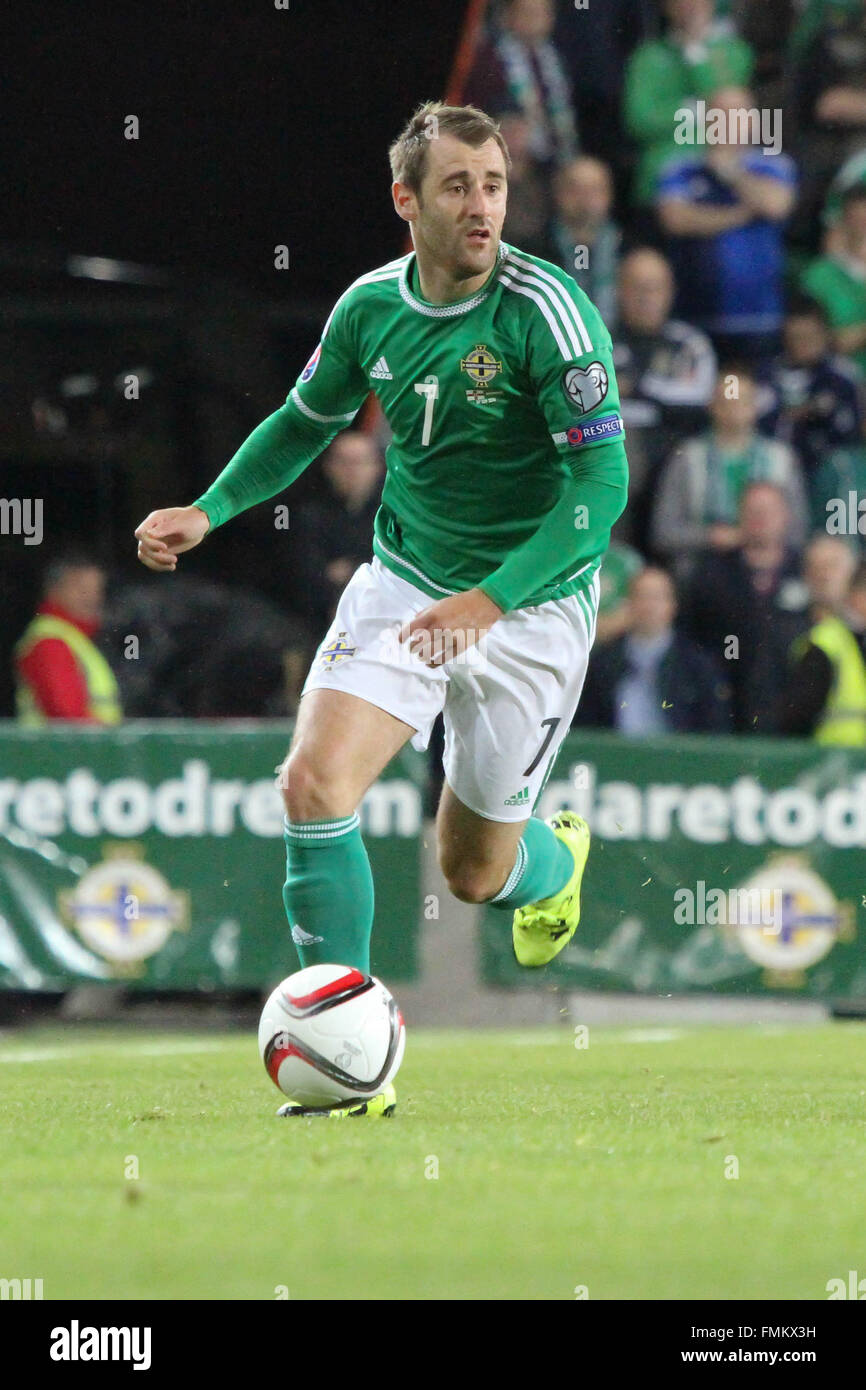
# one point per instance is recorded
(60, 672)
(621, 564)
(765, 28)
(334, 535)
(824, 693)
(815, 399)
(696, 57)
(840, 480)
(838, 279)
(745, 606)
(723, 207)
(851, 175)
(518, 68)
(653, 680)
(609, 32)
(585, 239)
(698, 501)
(828, 100)
(529, 202)
(666, 371)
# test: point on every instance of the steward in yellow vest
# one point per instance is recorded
(831, 670)
(60, 673)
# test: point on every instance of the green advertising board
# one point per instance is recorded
(153, 854)
(729, 865)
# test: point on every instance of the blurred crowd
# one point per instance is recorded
(699, 167)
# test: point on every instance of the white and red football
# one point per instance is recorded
(330, 1034)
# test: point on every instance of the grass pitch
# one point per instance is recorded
(610, 1168)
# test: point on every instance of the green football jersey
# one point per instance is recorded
(503, 409)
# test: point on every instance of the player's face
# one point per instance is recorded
(460, 209)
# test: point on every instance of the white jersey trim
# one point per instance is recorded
(295, 398)
(414, 568)
(371, 277)
(449, 311)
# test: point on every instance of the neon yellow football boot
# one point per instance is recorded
(384, 1105)
(542, 929)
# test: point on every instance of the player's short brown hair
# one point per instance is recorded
(408, 154)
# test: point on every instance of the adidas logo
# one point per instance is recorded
(304, 938)
(381, 371)
(519, 798)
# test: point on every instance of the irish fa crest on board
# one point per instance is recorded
(804, 922)
(124, 909)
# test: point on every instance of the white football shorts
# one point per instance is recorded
(507, 702)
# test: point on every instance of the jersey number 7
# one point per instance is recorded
(429, 387)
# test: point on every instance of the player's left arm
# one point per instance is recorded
(570, 361)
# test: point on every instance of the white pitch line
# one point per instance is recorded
(650, 1035)
(81, 1051)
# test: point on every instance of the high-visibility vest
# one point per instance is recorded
(843, 719)
(103, 703)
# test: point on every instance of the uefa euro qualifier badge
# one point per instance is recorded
(124, 909)
(585, 387)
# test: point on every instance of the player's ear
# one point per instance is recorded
(405, 202)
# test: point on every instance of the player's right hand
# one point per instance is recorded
(165, 534)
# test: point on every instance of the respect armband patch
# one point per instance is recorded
(593, 432)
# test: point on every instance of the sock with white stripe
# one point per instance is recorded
(542, 868)
(328, 893)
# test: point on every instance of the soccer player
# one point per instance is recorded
(506, 472)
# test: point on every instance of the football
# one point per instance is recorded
(330, 1034)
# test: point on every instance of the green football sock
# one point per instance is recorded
(542, 868)
(328, 893)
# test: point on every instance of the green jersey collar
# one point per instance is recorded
(460, 306)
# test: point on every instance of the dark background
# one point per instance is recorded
(258, 127)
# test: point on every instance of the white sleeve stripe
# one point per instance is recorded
(314, 415)
(565, 298)
(578, 573)
(563, 303)
(545, 309)
(577, 350)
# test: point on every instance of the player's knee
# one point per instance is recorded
(473, 883)
(310, 792)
